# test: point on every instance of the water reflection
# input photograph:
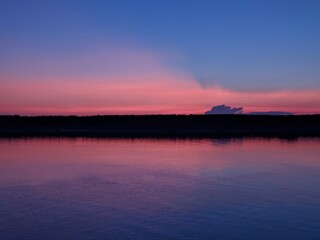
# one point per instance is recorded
(162, 189)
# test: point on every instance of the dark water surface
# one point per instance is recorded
(159, 189)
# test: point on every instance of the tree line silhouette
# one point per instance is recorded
(161, 125)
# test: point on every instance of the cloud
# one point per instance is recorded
(104, 61)
(270, 113)
(223, 109)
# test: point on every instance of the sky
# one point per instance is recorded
(87, 57)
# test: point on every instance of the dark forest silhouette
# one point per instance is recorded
(161, 125)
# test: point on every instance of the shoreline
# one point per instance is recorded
(167, 126)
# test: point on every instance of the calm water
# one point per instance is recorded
(159, 189)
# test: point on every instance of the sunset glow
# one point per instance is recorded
(100, 67)
(139, 96)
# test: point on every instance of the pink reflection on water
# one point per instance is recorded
(37, 161)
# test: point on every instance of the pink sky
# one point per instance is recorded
(132, 82)
(165, 95)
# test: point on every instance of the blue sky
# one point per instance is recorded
(238, 45)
